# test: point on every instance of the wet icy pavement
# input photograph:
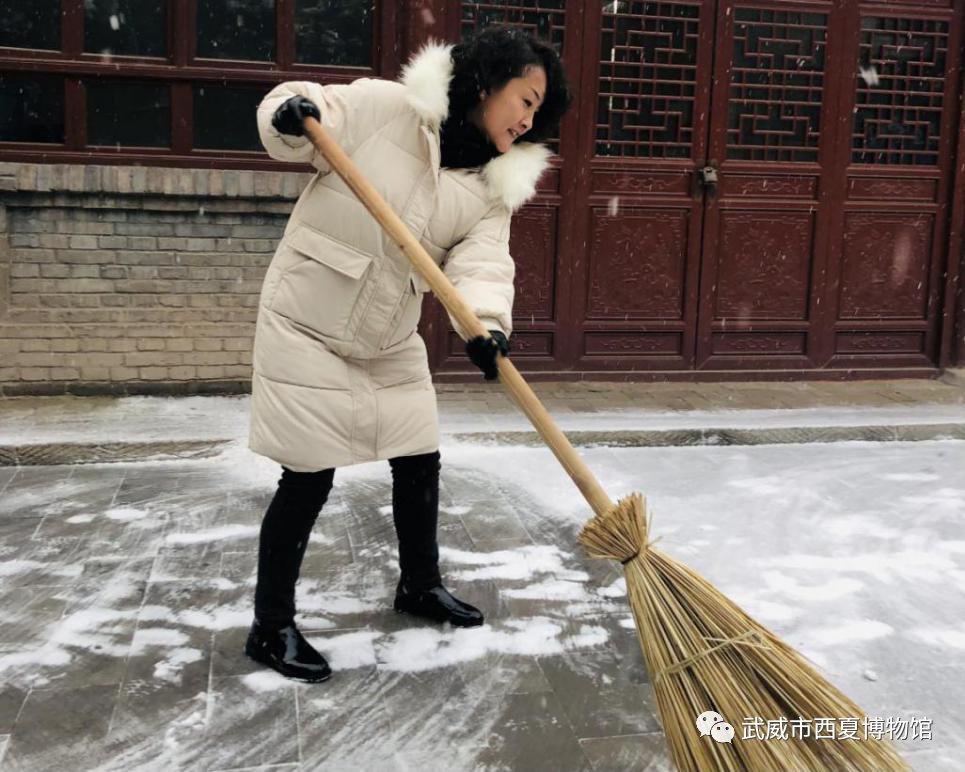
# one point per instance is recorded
(126, 595)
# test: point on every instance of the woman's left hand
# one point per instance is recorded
(483, 352)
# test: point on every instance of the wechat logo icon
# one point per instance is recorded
(712, 723)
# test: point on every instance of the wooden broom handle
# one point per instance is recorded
(450, 297)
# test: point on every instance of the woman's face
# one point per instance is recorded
(507, 114)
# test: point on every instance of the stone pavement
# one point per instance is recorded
(126, 596)
(126, 589)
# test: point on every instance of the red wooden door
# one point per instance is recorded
(822, 246)
(892, 184)
(765, 226)
(636, 229)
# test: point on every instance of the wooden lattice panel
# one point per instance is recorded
(543, 20)
(776, 85)
(898, 103)
(648, 71)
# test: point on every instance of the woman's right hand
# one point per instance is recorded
(289, 117)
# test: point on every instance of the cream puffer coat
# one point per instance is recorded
(340, 374)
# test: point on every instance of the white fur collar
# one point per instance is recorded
(511, 177)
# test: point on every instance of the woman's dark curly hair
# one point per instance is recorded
(496, 55)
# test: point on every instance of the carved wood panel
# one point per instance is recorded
(637, 262)
(534, 247)
(764, 262)
(884, 274)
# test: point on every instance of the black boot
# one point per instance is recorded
(438, 604)
(415, 511)
(274, 640)
(287, 651)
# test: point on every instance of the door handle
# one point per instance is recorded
(708, 179)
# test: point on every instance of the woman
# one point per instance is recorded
(340, 374)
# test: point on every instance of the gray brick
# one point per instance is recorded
(86, 285)
(54, 271)
(131, 257)
(151, 358)
(182, 373)
(86, 271)
(151, 229)
(89, 257)
(203, 229)
(211, 358)
(200, 244)
(179, 243)
(25, 270)
(54, 240)
(150, 344)
(212, 373)
(93, 344)
(64, 374)
(124, 373)
(83, 242)
(95, 373)
(24, 240)
(20, 255)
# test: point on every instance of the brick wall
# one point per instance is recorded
(131, 279)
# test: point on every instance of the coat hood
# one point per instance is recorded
(511, 177)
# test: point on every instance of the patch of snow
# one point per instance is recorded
(222, 533)
(125, 514)
(850, 632)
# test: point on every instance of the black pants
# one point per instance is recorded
(295, 506)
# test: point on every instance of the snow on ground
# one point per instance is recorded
(853, 552)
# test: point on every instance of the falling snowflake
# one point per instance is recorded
(869, 75)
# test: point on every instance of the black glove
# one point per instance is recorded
(288, 118)
(482, 351)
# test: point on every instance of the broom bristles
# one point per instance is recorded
(703, 652)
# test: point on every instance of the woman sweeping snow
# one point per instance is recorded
(340, 374)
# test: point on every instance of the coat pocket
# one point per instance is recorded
(407, 318)
(322, 291)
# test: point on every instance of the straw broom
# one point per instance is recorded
(702, 651)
